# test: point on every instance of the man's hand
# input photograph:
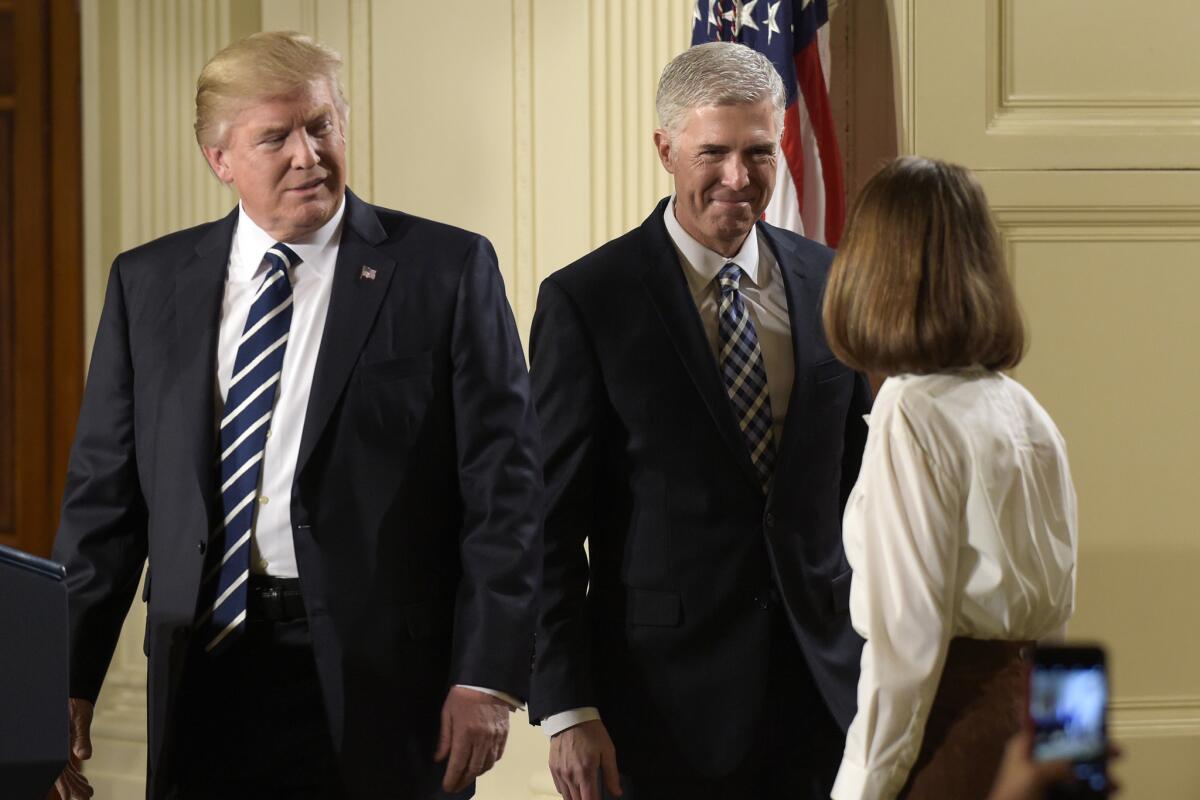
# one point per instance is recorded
(577, 755)
(71, 785)
(474, 730)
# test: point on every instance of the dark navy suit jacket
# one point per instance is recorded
(416, 502)
(667, 630)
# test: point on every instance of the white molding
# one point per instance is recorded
(903, 17)
(522, 273)
(360, 87)
(1155, 716)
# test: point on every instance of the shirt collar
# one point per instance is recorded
(707, 263)
(250, 243)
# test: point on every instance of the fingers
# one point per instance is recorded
(579, 758)
(560, 769)
(475, 730)
(80, 715)
(71, 785)
(563, 789)
(1049, 773)
(500, 745)
(460, 752)
(612, 776)
(444, 734)
(474, 751)
(479, 762)
(590, 785)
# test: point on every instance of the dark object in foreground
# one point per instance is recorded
(33, 674)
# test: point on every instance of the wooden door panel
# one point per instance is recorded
(7, 512)
(41, 342)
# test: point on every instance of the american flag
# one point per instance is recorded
(809, 189)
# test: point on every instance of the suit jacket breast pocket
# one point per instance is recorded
(393, 396)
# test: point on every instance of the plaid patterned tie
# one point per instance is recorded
(744, 373)
(244, 425)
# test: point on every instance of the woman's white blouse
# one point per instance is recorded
(962, 523)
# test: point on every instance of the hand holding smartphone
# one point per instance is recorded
(1068, 708)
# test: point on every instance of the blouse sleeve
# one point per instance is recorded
(903, 599)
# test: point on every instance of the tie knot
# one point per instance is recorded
(280, 256)
(729, 277)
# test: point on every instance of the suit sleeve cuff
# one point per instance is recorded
(557, 723)
(513, 702)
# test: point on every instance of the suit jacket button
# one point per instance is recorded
(761, 601)
(770, 520)
(201, 546)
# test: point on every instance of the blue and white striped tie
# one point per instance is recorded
(744, 374)
(245, 421)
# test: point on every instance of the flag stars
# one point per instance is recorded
(772, 21)
(747, 15)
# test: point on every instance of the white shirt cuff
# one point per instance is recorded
(557, 723)
(858, 783)
(505, 696)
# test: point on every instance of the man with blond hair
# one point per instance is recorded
(702, 438)
(313, 418)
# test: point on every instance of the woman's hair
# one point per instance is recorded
(919, 283)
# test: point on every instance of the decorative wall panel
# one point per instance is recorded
(1104, 264)
(1017, 84)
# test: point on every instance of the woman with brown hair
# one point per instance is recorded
(961, 529)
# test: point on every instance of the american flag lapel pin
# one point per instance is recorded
(367, 274)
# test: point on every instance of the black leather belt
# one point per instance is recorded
(274, 599)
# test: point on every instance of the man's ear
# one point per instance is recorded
(218, 161)
(662, 143)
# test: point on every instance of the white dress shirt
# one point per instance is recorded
(765, 296)
(962, 523)
(273, 550)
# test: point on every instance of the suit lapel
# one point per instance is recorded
(353, 305)
(199, 286)
(803, 288)
(668, 288)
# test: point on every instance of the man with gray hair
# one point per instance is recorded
(701, 439)
(313, 418)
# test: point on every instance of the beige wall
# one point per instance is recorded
(530, 120)
(1080, 118)
(533, 130)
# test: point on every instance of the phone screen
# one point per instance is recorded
(1068, 699)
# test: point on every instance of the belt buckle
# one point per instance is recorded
(272, 602)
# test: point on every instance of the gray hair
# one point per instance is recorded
(716, 74)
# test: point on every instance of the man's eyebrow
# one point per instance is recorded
(322, 112)
(271, 130)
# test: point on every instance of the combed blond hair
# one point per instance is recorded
(919, 283)
(265, 65)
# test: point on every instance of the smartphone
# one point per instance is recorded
(1068, 705)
